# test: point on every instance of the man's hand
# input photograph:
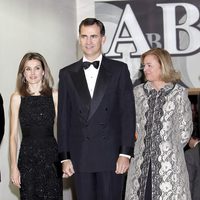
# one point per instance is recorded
(67, 168)
(122, 165)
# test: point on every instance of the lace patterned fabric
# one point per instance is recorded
(38, 157)
(164, 126)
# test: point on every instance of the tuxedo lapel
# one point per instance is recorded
(100, 88)
(80, 83)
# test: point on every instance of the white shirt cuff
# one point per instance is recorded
(125, 155)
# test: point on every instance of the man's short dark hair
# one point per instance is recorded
(92, 21)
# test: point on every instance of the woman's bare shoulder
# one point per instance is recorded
(15, 98)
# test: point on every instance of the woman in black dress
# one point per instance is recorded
(2, 122)
(34, 105)
(2, 119)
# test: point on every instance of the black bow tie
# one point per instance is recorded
(87, 64)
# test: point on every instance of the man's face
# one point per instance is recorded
(91, 41)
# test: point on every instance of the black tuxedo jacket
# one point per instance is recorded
(93, 132)
(2, 119)
(192, 157)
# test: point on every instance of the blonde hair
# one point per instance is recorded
(168, 73)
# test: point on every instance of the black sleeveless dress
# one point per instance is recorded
(38, 157)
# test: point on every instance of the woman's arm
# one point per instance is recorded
(186, 124)
(55, 99)
(14, 112)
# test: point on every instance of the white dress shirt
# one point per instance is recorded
(91, 74)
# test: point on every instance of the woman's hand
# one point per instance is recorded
(15, 177)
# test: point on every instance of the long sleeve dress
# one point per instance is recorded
(164, 126)
(2, 119)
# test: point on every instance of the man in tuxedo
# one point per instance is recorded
(192, 157)
(96, 118)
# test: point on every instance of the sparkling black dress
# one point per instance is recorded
(38, 158)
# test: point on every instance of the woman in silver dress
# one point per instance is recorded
(164, 125)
